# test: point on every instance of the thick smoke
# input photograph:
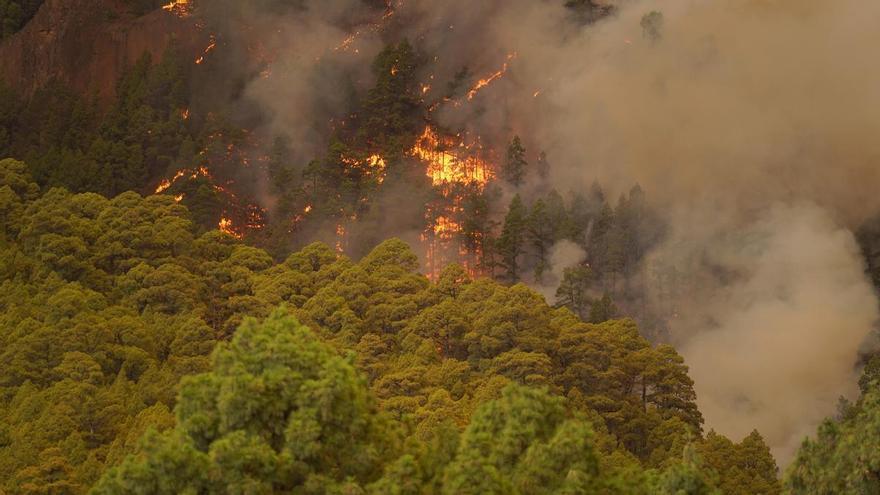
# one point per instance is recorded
(770, 317)
(760, 119)
(752, 123)
(313, 81)
(285, 59)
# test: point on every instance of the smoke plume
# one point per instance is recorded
(564, 254)
(757, 118)
(770, 317)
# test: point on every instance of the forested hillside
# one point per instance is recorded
(363, 375)
(415, 247)
(148, 133)
(108, 303)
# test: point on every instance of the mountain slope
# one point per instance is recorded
(87, 44)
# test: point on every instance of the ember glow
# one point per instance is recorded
(377, 167)
(340, 238)
(211, 45)
(348, 44)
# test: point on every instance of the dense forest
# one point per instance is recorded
(142, 357)
(193, 302)
(108, 303)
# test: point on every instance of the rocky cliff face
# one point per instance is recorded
(87, 44)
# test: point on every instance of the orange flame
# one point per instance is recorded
(211, 45)
(450, 162)
(179, 7)
(163, 186)
(482, 83)
(166, 184)
(225, 226)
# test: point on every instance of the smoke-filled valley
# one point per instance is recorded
(635, 240)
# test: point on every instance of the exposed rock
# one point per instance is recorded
(87, 44)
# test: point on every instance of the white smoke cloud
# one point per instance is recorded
(772, 316)
(564, 254)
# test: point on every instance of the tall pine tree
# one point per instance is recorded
(514, 170)
(511, 243)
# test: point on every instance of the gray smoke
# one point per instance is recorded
(312, 79)
(564, 254)
(771, 316)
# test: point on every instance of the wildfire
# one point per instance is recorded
(163, 186)
(225, 226)
(482, 83)
(373, 165)
(256, 216)
(221, 150)
(178, 7)
(446, 228)
(349, 41)
(377, 164)
(211, 45)
(166, 183)
(340, 238)
(450, 162)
